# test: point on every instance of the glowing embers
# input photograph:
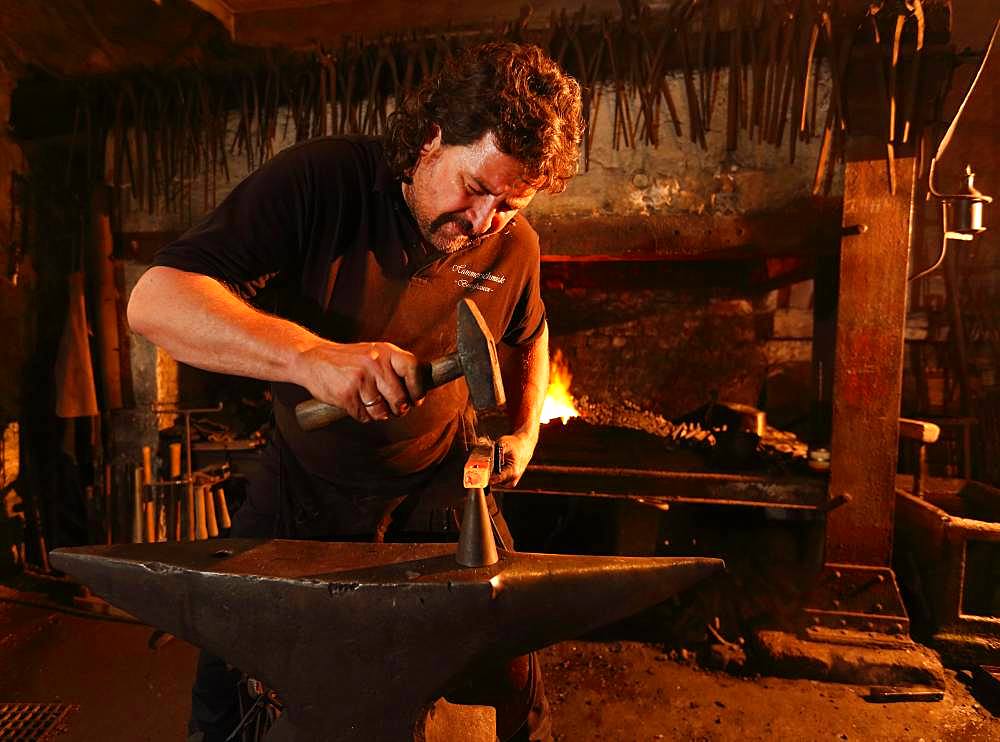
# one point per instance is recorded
(558, 401)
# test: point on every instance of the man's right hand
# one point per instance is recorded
(371, 381)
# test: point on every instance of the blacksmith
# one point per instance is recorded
(366, 246)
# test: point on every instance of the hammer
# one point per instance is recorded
(476, 360)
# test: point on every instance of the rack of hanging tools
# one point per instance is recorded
(188, 506)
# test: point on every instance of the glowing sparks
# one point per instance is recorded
(558, 401)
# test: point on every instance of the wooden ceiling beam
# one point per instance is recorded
(298, 23)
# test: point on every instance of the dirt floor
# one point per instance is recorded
(606, 691)
(631, 691)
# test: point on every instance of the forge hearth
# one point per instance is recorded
(584, 459)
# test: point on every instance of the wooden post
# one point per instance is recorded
(868, 366)
(101, 277)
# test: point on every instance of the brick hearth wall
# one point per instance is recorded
(669, 350)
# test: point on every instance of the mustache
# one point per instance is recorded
(468, 230)
(464, 224)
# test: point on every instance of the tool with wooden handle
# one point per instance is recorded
(137, 513)
(190, 522)
(475, 359)
(200, 526)
(211, 522)
(222, 509)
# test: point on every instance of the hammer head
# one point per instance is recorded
(478, 355)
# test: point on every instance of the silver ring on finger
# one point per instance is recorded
(370, 404)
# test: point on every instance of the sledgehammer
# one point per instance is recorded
(476, 360)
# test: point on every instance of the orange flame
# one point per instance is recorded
(558, 401)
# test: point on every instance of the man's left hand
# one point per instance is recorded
(514, 452)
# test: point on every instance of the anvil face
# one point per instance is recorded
(358, 639)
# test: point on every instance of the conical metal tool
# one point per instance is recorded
(476, 545)
(360, 639)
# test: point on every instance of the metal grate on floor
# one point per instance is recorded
(32, 721)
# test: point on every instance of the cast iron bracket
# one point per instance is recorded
(857, 597)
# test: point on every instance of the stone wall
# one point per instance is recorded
(665, 349)
(671, 349)
(678, 176)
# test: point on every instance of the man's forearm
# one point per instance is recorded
(526, 380)
(201, 323)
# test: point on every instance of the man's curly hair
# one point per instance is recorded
(514, 91)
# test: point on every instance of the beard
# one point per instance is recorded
(431, 227)
(435, 228)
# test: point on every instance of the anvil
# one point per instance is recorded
(360, 639)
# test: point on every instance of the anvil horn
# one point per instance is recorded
(358, 639)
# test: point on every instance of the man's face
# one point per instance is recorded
(463, 193)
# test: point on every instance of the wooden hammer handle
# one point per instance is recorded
(313, 414)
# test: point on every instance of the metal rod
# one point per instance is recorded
(650, 473)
